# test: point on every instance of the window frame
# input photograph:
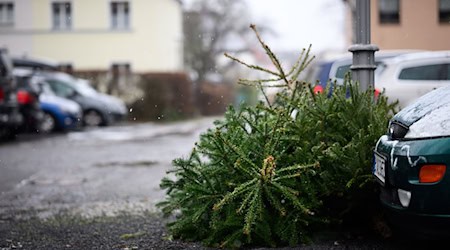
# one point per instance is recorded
(443, 16)
(389, 18)
(4, 20)
(125, 22)
(67, 25)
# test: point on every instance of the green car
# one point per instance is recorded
(410, 163)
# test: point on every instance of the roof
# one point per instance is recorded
(22, 72)
(378, 55)
(35, 63)
(419, 55)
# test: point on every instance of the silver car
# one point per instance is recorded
(98, 109)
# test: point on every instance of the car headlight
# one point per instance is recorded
(71, 109)
(397, 130)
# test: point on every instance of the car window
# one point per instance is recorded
(342, 70)
(448, 71)
(324, 73)
(47, 90)
(425, 72)
(61, 89)
(85, 89)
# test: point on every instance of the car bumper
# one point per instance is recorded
(428, 226)
(10, 117)
(428, 205)
(32, 117)
(68, 121)
(72, 123)
(117, 117)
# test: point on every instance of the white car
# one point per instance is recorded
(335, 68)
(407, 77)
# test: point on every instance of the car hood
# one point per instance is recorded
(428, 116)
(113, 103)
(423, 106)
(63, 103)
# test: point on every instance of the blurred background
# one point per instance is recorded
(164, 58)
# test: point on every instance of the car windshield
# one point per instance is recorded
(80, 86)
(85, 88)
(46, 90)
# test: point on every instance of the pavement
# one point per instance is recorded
(99, 171)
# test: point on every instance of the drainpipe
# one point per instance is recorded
(363, 65)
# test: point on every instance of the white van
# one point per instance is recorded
(407, 77)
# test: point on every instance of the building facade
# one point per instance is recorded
(407, 24)
(96, 35)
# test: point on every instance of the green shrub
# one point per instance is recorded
(166, 97)
(275, 173)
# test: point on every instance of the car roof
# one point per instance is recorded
(381, 54)
(418, 56)
(34, 63)
(22, 72)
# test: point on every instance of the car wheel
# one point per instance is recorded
(92, 118)
(7, 134)
(48, 123)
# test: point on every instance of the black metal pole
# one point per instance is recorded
(363, 65)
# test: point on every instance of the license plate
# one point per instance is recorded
(379, 168)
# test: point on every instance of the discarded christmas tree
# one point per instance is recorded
(275, 173)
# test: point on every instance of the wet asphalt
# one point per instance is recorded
(94, 171)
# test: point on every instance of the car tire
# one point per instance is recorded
(48, 124)
(7, 134)
(92, 118)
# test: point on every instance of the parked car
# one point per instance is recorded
(407, 77)
(29, 105)
(60, 114)
(43, 110)
(98, 109)
(411, 162)
(10, 116)
(336, 67)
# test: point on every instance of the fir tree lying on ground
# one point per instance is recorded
(275, 173)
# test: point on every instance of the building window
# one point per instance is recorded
(62, 15)
(6, 13)
(389, 11)
(120, 15)
(444, 11)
